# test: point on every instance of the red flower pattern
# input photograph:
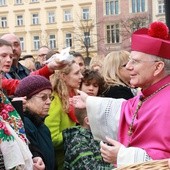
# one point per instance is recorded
(2, 125)
(9, 114)
(4, 128)
(8, 107)
(4, 114)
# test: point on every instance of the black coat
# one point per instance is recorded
(118, 92)
(40, 139)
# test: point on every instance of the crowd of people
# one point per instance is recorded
(66, 115)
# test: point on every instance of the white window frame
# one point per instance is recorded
(51, 17)
(34, 0)
(2, 2)
(36, 42)
(20, 21)
(52, 41)
(87, 39)
(138, 6)
(22, 44)
(111, 7)
(68, 40)
(4, 23)
(18, 1)
(35, 19)
(161, 7)
(67, 15)
(85, 13)
(112, 33)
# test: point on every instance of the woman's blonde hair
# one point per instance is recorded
(95, 61)
(59, 85)
(111, 65)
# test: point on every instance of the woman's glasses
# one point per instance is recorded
(44, 97)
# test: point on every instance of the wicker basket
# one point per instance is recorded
(152, 165)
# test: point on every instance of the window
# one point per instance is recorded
(52, 41)
(85, 13)
(36, 42)
(67, 15)
(112, 7)
(22, 43)
(161, 7)
(68, 40)
(20, 20)
(3, 22)
(18, 1)
(2, 2)
(112, 33)
(138, 6)
(51, 17)
(34, 0)
(87, 39)
(35, 19)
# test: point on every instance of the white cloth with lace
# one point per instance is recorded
(104, 115)
(16, 153)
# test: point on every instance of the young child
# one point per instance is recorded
(81, 150)
(92, 82)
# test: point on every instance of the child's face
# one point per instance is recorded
(90, 87)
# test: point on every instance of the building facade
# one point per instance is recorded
(88, 26)
(158, 13)
(54, 23)
(117, 20)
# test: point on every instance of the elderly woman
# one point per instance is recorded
(38, 90)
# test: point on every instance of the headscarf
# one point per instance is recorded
(13, 141)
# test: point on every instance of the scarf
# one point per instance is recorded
(13, 141)
(71, 112)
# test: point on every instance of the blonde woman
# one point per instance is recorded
(61, 113)
(96, 63)
(116, 75)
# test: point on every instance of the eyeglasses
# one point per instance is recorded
(42, 55)
(44, 97)
(137, 61)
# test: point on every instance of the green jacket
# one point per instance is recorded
(57, 121)
(82, 151)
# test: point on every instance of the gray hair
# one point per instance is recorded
(166, 62)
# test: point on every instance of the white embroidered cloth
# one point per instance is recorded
(16, 152)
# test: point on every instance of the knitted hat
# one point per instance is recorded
(154, 40)
(32, 85)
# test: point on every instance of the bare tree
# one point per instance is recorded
(131, 24)
(85, 34)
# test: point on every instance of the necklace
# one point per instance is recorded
(141, 100)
